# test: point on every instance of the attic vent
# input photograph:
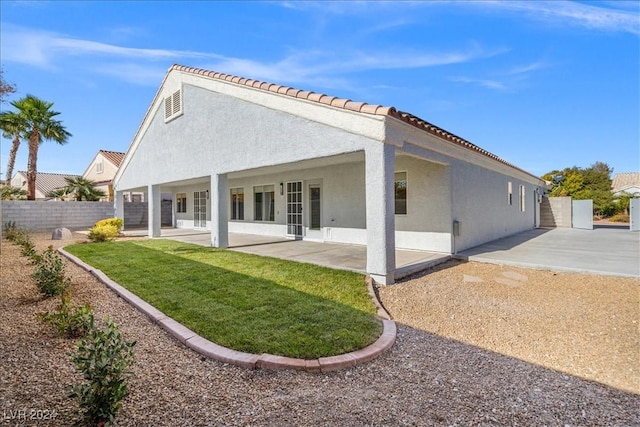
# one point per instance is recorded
(173, 106)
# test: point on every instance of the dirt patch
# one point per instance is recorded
(469, 351)
(584, 325)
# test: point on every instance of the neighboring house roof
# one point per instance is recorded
(347, 104)
(114, 157)
(623, 181)
(47, 182)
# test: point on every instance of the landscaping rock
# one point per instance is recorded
(61, 234)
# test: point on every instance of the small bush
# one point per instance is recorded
(103, 233)
(69, 320)
(8, 230)
(29, 250)
(619, 218)
(116, 222)
(103, 358)
(49, 273)
(19, 236)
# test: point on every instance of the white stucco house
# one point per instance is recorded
(245, 156)
(626, 183)
(101, 171)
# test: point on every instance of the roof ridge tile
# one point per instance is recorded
(347, 104)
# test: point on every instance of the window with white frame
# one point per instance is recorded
(237, 204)
(522, 205)
(400, 188)
(173, 106)
(510, 193)
(99, 167)
(181, 202)
(264, 203)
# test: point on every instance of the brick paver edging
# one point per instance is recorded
(248, 360)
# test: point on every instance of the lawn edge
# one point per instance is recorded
(248, 360)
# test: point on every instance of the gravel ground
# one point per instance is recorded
(477, 345)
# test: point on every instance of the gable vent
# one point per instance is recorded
(173, 106)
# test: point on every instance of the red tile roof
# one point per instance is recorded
(347, 104)
(114, 157)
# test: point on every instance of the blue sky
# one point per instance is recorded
(543, 85)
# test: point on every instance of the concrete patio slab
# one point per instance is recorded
(604, 250)
(334, 255)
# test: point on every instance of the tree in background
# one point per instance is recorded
(40, 125)
(13, 127)
(6, 127)
(6, 88)
(8, 192)
(592, 183)
(81, 189)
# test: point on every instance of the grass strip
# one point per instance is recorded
(245, 302)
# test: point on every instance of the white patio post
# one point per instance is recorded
(219, 211)
(380, 196)
(154, 210)
(118, 206)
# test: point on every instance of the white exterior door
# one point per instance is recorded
(294, 208)
(200, 209)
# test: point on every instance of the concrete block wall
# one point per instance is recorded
(555, 212)
(136, 214)
(47, 216)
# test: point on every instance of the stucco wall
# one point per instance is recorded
(136, 214)
(220, 134)
(47, 216)
(230, 129)
(478, 187)
(108, 170)
(481, 205)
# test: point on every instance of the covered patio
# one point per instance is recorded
(334, 255)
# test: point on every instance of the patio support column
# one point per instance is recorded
(118, 206)
(380, 196)
(154, 210)
(219, 211)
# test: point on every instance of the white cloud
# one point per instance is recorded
(326, 68)
(571, 12)
(489, 84)
(43, 48)
(527, 68)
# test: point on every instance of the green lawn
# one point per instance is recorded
(244, 302)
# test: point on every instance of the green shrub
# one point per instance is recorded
(20, 235)
(103, 358)
(8, 230)
(29, 250)
(22, 238)
(49, 273)
(116, 222)
(69, 320)
(103, 233)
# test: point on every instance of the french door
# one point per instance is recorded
(294, 208)
(200, 209)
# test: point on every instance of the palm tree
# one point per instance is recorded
(58, 194)
(8, 192)
(83, 189)
(12, 126)
(40, 126)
